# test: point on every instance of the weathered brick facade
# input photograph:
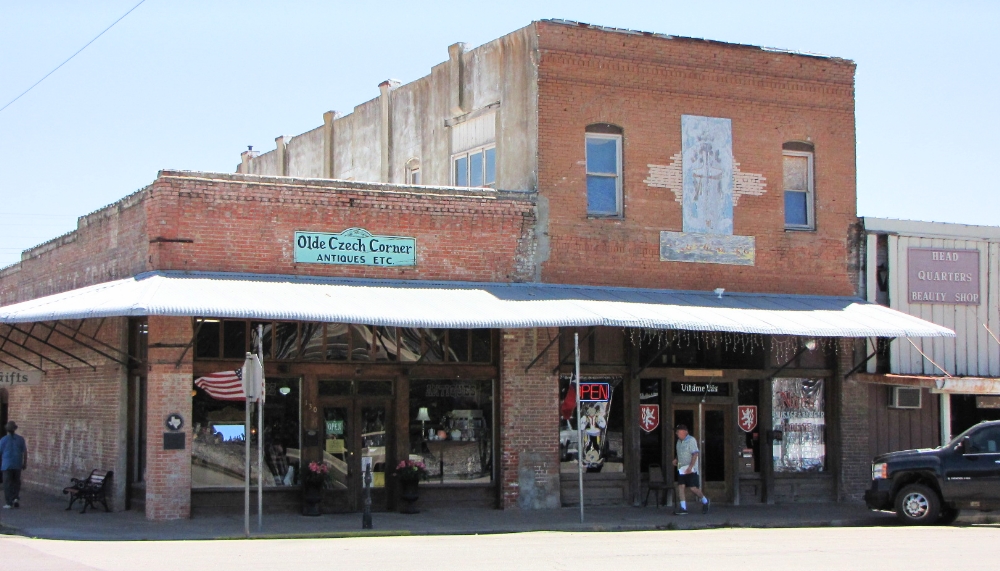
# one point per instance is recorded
(643, 85)
(640, 83)
(529, 466)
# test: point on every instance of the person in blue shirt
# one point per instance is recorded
(13, 459)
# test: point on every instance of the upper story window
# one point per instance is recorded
(604, 170)
(476, 167)
(798, 184)
(413, 171)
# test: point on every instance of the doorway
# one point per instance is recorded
(710, 424)
(358, 432)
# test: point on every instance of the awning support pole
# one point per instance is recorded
(7, 339)
(45, 342)
(94, 349)
(28, 363)
(19, 359)
(197, 330)
(78, 333)
(562, 361)
(544, 351)
(651, 361)
(862, 363)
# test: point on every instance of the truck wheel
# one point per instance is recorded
(917, 504)
(948, 516)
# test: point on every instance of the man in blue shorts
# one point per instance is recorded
(13, 459)
(687, 470)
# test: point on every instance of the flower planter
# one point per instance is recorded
(312, 497)
(409, 493)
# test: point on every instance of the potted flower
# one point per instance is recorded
(314, 477)
(410, 472)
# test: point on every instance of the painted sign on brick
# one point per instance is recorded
(943, 276)
(356, 247)
(10, 378)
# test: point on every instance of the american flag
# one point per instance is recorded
(227, 385)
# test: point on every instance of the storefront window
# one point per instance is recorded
(304, 341)
(451, 430)
(798, 414)
(218, 449)
(602, 406)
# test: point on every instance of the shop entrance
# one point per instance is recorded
(358, 434)
(709, 424)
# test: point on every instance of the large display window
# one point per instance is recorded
(451, 430)
(601, 425)
(219, 440)
(798, 416)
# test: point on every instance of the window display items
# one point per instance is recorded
(798, 414)
(600, 429)
(451, 430)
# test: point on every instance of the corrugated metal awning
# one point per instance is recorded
(473, 305)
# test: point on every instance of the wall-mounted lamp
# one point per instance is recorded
(810, 344)
(719, 291)
(882, 277)
(284, 391)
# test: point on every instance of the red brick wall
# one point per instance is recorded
(73, 421)
(853, 420)
(644, 84)
(241, 223)
(168, 472)
(529, 420)
(108, 244)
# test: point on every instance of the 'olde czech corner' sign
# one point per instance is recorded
(355, 246)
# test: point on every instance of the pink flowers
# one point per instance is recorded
(411, 470)
(319, 469)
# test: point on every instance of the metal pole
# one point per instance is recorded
(366, 514)
(260, 431)
(246, 468)
(579, 423)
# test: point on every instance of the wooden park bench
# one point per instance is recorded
(92, 489)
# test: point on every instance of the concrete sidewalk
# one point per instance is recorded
(44, 516)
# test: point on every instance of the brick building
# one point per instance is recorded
(414, 272)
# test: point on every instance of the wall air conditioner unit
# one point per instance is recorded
(904, 397)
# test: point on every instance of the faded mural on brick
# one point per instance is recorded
(708, 184)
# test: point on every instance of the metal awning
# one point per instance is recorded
(468, 305)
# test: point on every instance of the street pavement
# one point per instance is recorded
(43, 515)
(813, 549)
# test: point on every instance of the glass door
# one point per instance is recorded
(357, 435)
(709, 424)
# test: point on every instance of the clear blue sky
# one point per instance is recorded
(187, 84)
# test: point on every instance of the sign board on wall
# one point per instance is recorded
(10, 378)
(943, 276)
(354, 247)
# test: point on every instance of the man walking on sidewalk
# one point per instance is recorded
(687, 470)
(13, 459)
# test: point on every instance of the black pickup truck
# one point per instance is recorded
(931, 485)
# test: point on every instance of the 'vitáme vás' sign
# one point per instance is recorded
(355, 246)
(943, 276)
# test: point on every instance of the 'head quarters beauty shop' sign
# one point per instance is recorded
(355, 246)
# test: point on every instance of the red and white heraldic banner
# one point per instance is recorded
(943, 276)
(649, 416)
(747, 418)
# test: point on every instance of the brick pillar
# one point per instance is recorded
(854, 474)
(529, 413)
(168, 472)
